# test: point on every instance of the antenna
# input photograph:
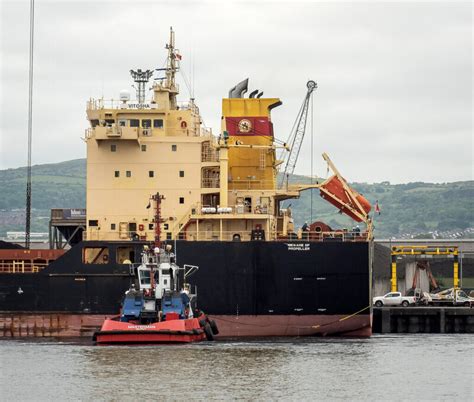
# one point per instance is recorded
(141, 78)
(30, 128)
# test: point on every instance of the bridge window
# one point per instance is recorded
(158, 123)
(134, 123)
(95, 255)
(122, 123)
(146, 123)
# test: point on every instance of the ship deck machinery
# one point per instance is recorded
(221, 210)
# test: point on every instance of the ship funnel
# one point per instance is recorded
(260, 95)
(253, 93)
(239, 90)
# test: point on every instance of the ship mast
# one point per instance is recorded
(171, 69)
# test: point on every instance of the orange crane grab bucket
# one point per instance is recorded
(333, 191)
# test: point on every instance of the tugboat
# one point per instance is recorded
(153, 310)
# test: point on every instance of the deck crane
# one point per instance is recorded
(297, 134)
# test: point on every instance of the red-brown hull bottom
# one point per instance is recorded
(84, 325)
(293, 325)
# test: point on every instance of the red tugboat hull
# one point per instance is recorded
(174, 331)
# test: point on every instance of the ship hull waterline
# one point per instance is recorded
(65, 325)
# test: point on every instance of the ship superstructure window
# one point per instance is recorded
(174, 147)
(122, 123)
(150, 226)
(132, 226)
(146, 123)
(151, 173)
(93, 222)
(128, 173)
(181, 173)
(168, 236)
(113, 148)
(117, 173)
(181, 200)
(94, 123)
(112, 226)
(143, 147)
(158, 123)
(165, 226)
(125, 255)
(134, 123)
(95, 255)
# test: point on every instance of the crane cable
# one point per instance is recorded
(312, 150)
(30, 128)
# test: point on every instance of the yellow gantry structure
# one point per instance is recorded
(424, 251)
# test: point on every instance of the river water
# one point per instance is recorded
(394, 367)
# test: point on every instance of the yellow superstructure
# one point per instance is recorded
(214, 188)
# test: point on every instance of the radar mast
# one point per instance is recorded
(171, 69)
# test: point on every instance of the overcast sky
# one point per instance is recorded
(395, 79)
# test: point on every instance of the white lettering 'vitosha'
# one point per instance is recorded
(138, 105)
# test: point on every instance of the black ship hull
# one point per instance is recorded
(250, 288)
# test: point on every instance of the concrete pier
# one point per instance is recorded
(440, 320)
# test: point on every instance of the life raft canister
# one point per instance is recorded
(184, 124)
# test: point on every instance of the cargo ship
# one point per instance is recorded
(221, 207)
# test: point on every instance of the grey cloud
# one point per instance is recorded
(395, 84)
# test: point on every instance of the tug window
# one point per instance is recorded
(113, 148)
(181, 173)
(151, 173)
(95, 255)
(181, 200)
(134, 123)
(146, 123)
(174, 147)
(143, 148)
(128, 173)
(117, 173)
(158, 123)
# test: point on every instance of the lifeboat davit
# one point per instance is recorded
(333, 191)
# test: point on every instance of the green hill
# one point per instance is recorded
(413, 209)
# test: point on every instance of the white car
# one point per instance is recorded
(394, 299)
